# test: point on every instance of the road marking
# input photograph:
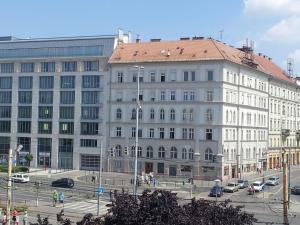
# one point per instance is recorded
(85, 206)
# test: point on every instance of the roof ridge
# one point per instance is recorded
(213, 41)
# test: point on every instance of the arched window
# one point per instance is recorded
(184, 114)
(161, 152)
(184, 153)
(133, 114)
(191, 153)
(208, 154)
(152, 114)
(191, 114)
(172, 114)
(149, 152)
(162, 114)
(118, 151)
(140, 151)
(173, 153)
(140, 114)
(119, 114)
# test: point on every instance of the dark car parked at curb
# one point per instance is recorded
(63, 183)
(296, 190)
(216, 191)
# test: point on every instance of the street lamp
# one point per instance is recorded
(138, 106)
(8, 202)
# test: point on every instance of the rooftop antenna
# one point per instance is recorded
(221, 34)
(290, 67)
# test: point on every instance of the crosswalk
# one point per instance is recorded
(86, 207)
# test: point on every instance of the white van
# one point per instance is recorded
(20, 177)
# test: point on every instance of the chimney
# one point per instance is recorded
(184, 39)
(198, 38)
(155, 40)
(138, 39)
(260, 54)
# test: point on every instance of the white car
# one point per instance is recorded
(273, 181)
(258, 185)
(231, 187)
(20, 177)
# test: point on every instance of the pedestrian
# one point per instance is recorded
(61, 198)
(55, 197)
(4, 218)
(14, 215)
(110, 195)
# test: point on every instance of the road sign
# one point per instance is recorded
(101, 190)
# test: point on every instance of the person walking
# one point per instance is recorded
(55, 197)
(61, 198)
(14, 216)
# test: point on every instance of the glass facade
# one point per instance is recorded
(4, 147)
(44, 148)
(65, 154)
(7, 68)
(25, 82)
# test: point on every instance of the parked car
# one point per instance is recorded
(258, 185)
(63, 183)
(272, 181)
(20, 178)
(295, 190)
(243, 184)
(232, 187)
(216, 191)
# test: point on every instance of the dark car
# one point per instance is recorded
(216, 191)
(243, 183)
(63, 183)
(296, 190)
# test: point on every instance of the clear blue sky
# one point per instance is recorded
(166, 19)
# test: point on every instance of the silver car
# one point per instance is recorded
(272, 181)
(231, 187)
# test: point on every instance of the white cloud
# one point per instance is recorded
(272, 6)
(286, 31)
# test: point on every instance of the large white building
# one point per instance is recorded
(53, 98)
(206, 109)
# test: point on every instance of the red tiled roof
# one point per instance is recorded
(191, 50)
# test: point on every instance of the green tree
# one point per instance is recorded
(28, 158)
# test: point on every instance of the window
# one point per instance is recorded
(47, 67)
(184, 133)
(191, 133)
(192, 96)
(172, 133)
(210, 75)
(191, 154)
(24, 127)
(172, 114)
(45, 112)
(152, 114)
(90, 97)
(209, 115)
(5, 82)
(118, 131)
(91, 113)
(140, 114)
(7, 68)
(46, 97)
(208, 154)
(89, 143)
(191, 114)
(133, 131)
(161, 133)
(161, 152)
(44, 145)
(5, 96)
(66, 112)
(162, 114)
(149, 153)
(66, 128)
(160, 168)
(92, 81)
(185, 76)
(193, 75)
(45, 127)
(184, 153)
(67, 97)
(69, 66)
(184, 115)
(5, 126)
(91, 65)
(152, 76)
(185, 96)
(24, 112)
(120, 77)
(25, 82)
(119, 114)
(67, 82)
(25, 97)
(162, 77)
(133, 114)
(162, 95)
(118, 151)
(173, 95)
(27, 67)
(151, 133)
(209, 96)
(5, 111)
(89, 128)
(26, 142)
(140, 151)
(208, 134)
(173, 153)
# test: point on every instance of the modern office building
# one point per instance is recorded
(52, 98)
(207, 109)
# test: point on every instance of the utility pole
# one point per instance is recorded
(285, 190)
(8, 203)
(237, 165)
(100, 179)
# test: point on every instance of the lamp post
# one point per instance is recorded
(100, 180)
(8, 202)
(138, 106)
